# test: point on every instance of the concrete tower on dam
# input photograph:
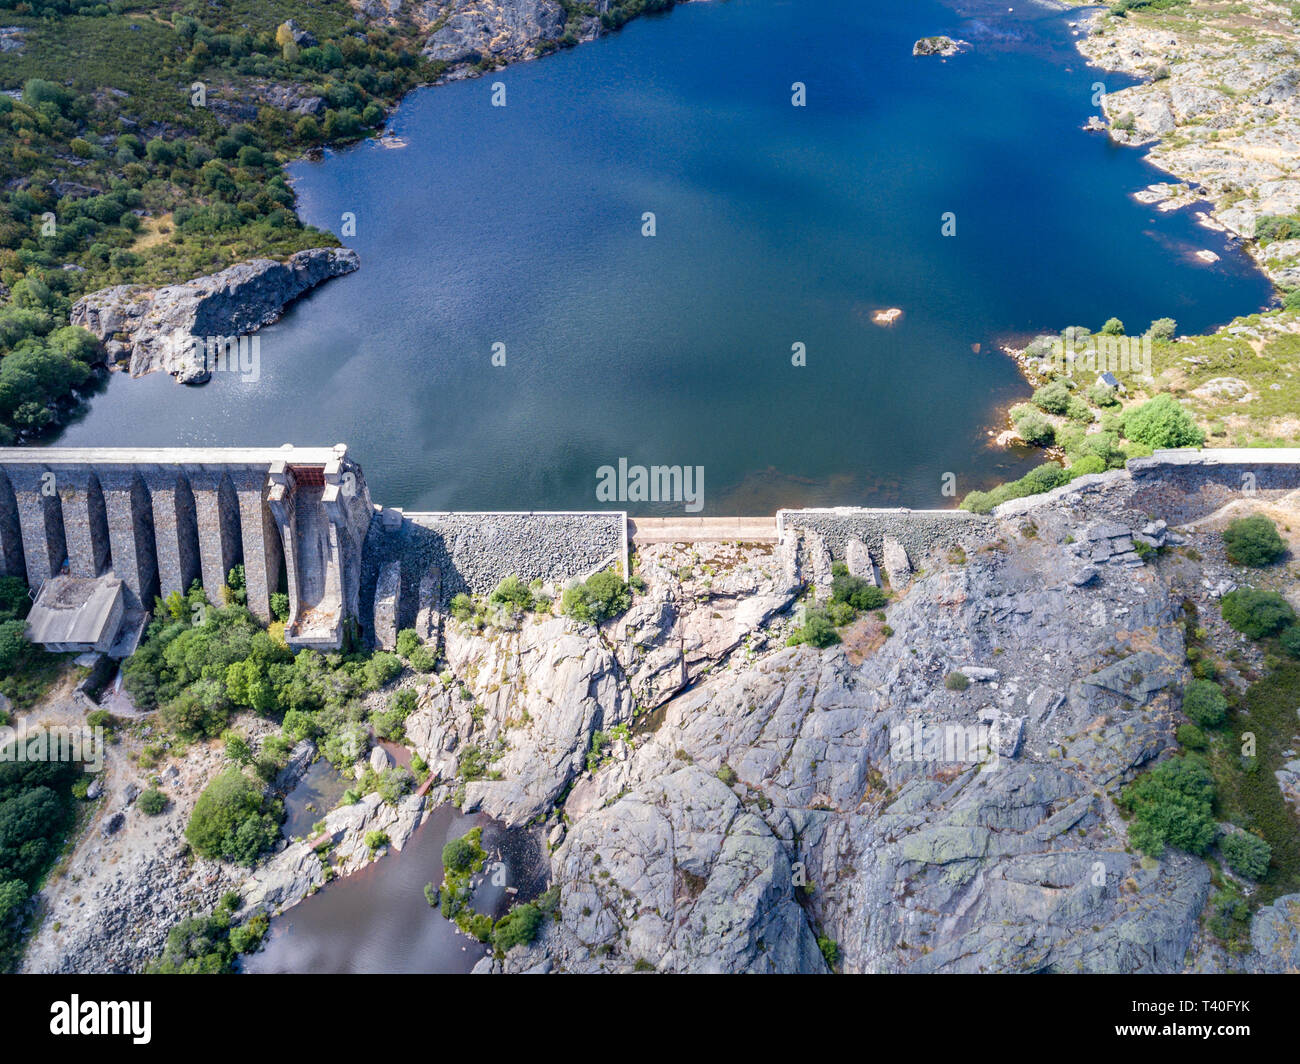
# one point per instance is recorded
(160, 519)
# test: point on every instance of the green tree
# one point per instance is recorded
(855, 591)
(817, 630)
(152, 802)
(1256, 613)
(1247, 855)
(1253, 541)
(1034, 429)
(1162, 422)
(1172, 805)
(1204, 703)
(518, 927)
(230, 821)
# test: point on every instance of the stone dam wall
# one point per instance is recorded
(301, 519)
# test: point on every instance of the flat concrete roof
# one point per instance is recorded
(73, 609)
(99, 456)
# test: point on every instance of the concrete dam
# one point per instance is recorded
(160, 519)
(299, 520)
(108, 530)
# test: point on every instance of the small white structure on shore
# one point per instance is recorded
(1109, 380)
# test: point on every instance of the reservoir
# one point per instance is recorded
(777, 229)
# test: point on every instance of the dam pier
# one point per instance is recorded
(158, 520)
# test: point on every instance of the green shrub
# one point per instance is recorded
(247, 937)
(230, 820)
(1191, 737)
(1229, 916)
(393, 783)
(518, 927)
(1035, 429)
(1272, 227)
(152, 802)
(1161, 422)
(1247, 855)
(12, 644)
(512, 592)
(280, 605)
(1087, 464)
(604, 595)
(1163, 329)
(203, 945)
(407, 642)
(817, 630)
(855, 591)
(840, 613)
(464, 854)
(1253, 541)
(1204, 703)
(376, 841)
(830, 950)
(956, 681)
(1038, 480)
(462, 607)
(1290, 640)
(1100, 395)
(380, 669)
(1053, 397)
(1256, 613)
(1113, 327)
(1172, 805)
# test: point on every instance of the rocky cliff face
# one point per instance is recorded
(156, 328)
(793, 793)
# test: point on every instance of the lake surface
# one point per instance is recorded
(776, 225)
(377, 919)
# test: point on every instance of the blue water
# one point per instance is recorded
(776, 225)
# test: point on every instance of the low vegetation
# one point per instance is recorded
(462, 859)
(210, 945)
(1253, 541)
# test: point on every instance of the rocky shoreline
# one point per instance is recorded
(1219, 112)
(149, 329)
(156, 328)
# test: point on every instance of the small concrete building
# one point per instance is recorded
(77, 614)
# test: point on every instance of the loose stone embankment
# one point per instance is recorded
(414, 564)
